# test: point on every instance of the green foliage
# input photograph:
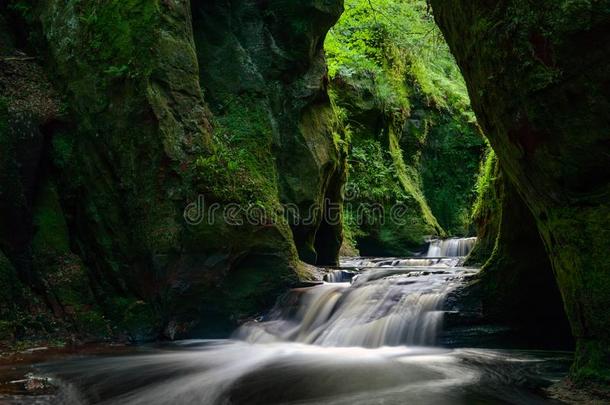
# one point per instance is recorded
(124, 24)
(242, 168)
(351, 228)
(486, 212)
(400, 95)
(117, 71)
(486, 199)
(379, 43)
(372, 176)
(378, 177)
(450, 163)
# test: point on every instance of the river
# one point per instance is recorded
(368, 335)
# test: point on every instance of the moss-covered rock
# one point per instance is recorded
(413, 141)
(64, 278)
(106, 230)
(379, 182)
(263, 73)
(517, 284)
(140, 153)
(451, 154)
(486, 212)
(538, 79)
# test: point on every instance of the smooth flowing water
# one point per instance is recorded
(366, 336)
(383, 305)
(454, 247)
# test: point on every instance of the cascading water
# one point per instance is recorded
(383, 306)
(390, 302)
(355, 339)
(455, 247)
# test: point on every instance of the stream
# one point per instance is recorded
(368, 335)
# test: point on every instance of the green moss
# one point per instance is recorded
(92, 323)
(591, 364)
(487, 210)
(129, 74)
(64, 277)
(127, 26)
(67, 284)
(485, 187)
(516, 283)
(451, 155)
(242, 168)
(140, 148)
(412, 135)
(410, 181)
(245, 283)
(377, 43)
(274, 139)
(379, 178)
(537, 77)
(136, 318)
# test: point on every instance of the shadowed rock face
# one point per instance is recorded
(138, 142)
(268, 57)
(516, 287)
(538, 79)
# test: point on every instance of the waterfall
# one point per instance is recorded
(351, 340)
(340, 276)
(384, 305)
(455, 247)
(365, 263)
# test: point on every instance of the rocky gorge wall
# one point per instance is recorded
(263, 72)
(412, 140)
(136, 142)
(538, 81)
(515, 295)
(137, 108)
